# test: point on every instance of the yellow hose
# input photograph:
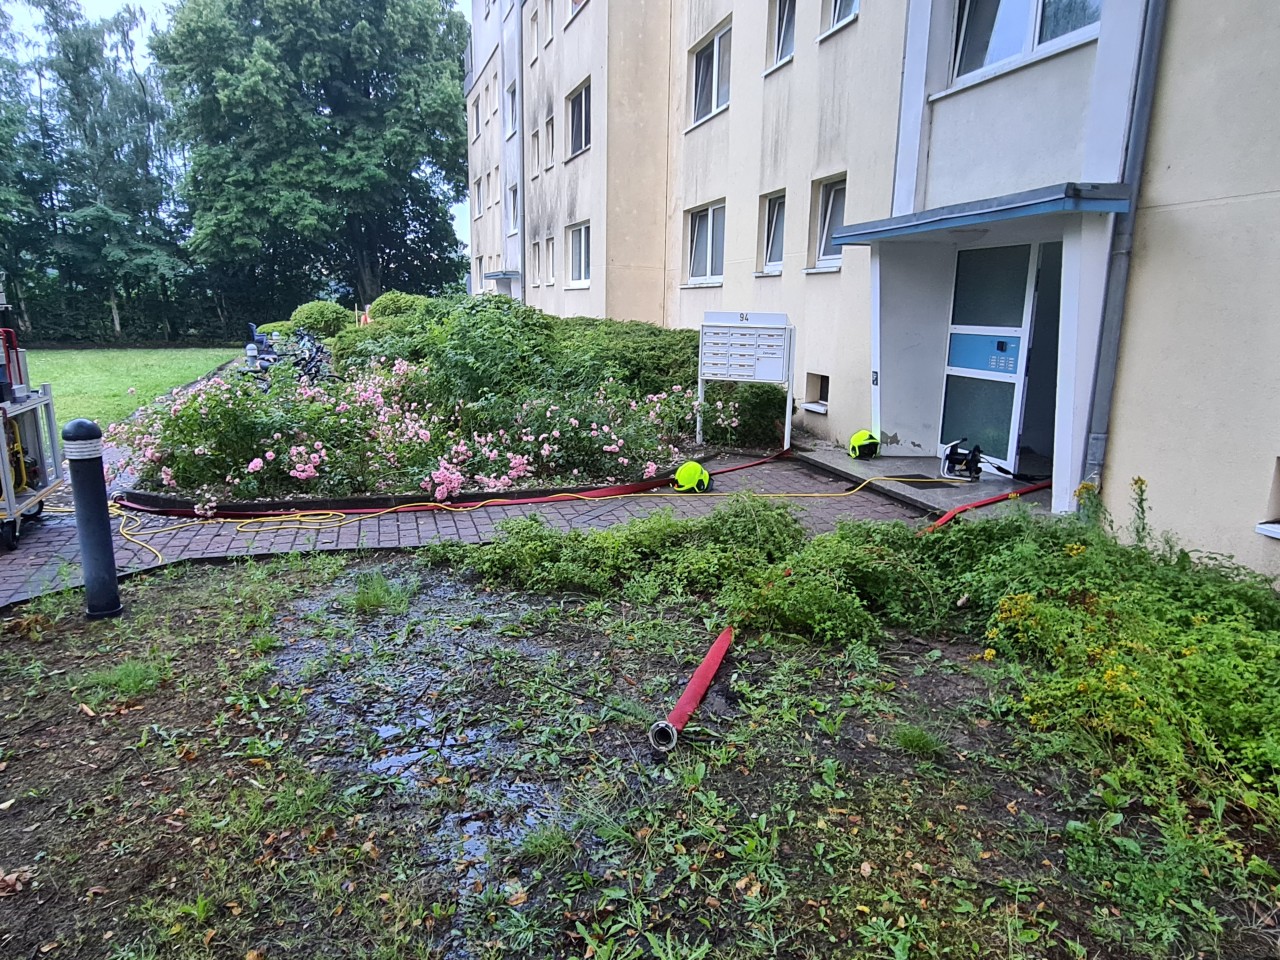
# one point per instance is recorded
(132, 524)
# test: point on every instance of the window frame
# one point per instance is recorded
(825, 227)
(535, 260)
(581, 265)
(771, 204)
(777, 32)
(579, 117)
(710, 277)
(551, 142)
(513, 209)
(513, 110)
(535, 153)
(714, 43)
(835, 21)
(1032, 46)
(535, 35)
(550, 248)
(477, 199)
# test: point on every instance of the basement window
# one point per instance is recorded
(817, 393)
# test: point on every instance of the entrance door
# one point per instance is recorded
(990, 340)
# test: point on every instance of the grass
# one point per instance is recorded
(95, 383)
(323, 750)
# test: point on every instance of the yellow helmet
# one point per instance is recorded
(863, 445)
(692, 477)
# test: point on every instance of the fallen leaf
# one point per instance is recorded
(51, 945)
(6, 805)
(87, 710)
(1012, 806)
(712, 902)
(208, 936)
(865, 869)
(517, 898)
(255, 955)
(97, 892)
(4, 766)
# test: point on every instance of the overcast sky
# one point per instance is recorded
(24, 21)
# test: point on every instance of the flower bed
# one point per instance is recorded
(382, 432)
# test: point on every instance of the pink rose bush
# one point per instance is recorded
(387, 428)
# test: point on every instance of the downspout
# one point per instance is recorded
(522, 180)
(1113, 308)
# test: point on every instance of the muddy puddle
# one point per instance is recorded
(427, 708)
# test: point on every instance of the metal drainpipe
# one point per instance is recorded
(1104, 381)
(523, 180)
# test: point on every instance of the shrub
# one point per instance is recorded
(393, 303)
(322, 317)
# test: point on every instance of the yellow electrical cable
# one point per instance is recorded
(317, 520)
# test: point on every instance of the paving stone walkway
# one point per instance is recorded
(48, 557)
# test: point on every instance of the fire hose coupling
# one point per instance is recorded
(664, 734)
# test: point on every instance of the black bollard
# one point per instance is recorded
(82, 446)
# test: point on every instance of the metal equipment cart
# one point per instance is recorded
(32, 467)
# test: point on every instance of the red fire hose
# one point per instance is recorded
(956, 511)
(664, 733)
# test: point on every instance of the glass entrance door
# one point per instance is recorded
(990, 336)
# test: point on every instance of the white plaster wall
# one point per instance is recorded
(916, 283)
(572, 190)
(1197, 404)
(1017, 131)
(512, 146)
(832, 110)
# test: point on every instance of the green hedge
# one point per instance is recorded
(322, 317)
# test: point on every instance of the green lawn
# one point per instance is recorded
(96, 383)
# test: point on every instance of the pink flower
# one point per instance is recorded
(650, 470)
(255, 465)
(271, 455)
(624, 461)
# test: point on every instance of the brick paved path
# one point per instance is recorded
(48, 557)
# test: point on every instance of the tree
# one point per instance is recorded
(333, 131)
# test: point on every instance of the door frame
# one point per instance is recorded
(1024, 333)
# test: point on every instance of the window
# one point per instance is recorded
(513, 209)
(488, 193)
(992, 31)
(549, 8)
(711, 75)
(534, 38)
(475, 119)
(479, 274)
(535, 154)
(551, 261)
(580, 120)
(842, 11)
(830, 218)
(486, 103)
(493, 106)
(575, 6)
(817, 392)
(784, 30)
(775, 217)
(551, 142)
(477, 197)
(706, 244)
(580, 255)
(535, 264)
(513, 110)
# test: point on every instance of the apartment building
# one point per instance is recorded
(942, 195)
(495, 155)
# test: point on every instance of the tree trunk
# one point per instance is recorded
(368, 268)
(115, 314)
(24, 318)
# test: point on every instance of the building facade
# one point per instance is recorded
(942, 195)
(1196, 409)
(495, 158)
